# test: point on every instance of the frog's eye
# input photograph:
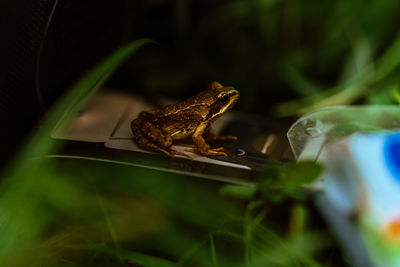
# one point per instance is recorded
(224, 98)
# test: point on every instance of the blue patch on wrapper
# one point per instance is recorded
(392, 155)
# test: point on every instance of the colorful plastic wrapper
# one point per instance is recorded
(360, 187)
(312, 132)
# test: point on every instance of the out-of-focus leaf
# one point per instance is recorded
(350, 90)
(297, 221)
(299, 83)
(396, 94)
(302, 173)
(289, 252)
(24, 189)
(239, 191)
(126, 255)
(381, 96)
(359, 57)
(278, 182)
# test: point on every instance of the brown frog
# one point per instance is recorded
(158, 128)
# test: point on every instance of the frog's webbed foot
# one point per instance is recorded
(151, 134)
(169, 152)
(172, 153)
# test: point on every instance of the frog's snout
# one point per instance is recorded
(233, 93)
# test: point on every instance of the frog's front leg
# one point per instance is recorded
(202, 147)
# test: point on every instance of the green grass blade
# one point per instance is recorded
(22, 219)
(350, 90)
(213, 251)
(110, 225)
(128, 256)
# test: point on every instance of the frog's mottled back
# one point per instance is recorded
(215, 93)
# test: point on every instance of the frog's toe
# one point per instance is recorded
(155, 147)
(217, 152)
(192, 150)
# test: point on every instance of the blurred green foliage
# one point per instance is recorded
(74, 214)
(278, 182)
(79, 212)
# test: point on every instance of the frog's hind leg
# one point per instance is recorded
(169, 152)
(141, 139)
(154, 134)
(146, 141)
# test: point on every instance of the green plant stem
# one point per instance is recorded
(110, 226)
(250, 224)
(212, 248)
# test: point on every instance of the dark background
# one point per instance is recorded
(41, 62)
(263, 48)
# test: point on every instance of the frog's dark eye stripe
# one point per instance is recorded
(221, 102)
(217, 106)
(224, 98)
(214, 109)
